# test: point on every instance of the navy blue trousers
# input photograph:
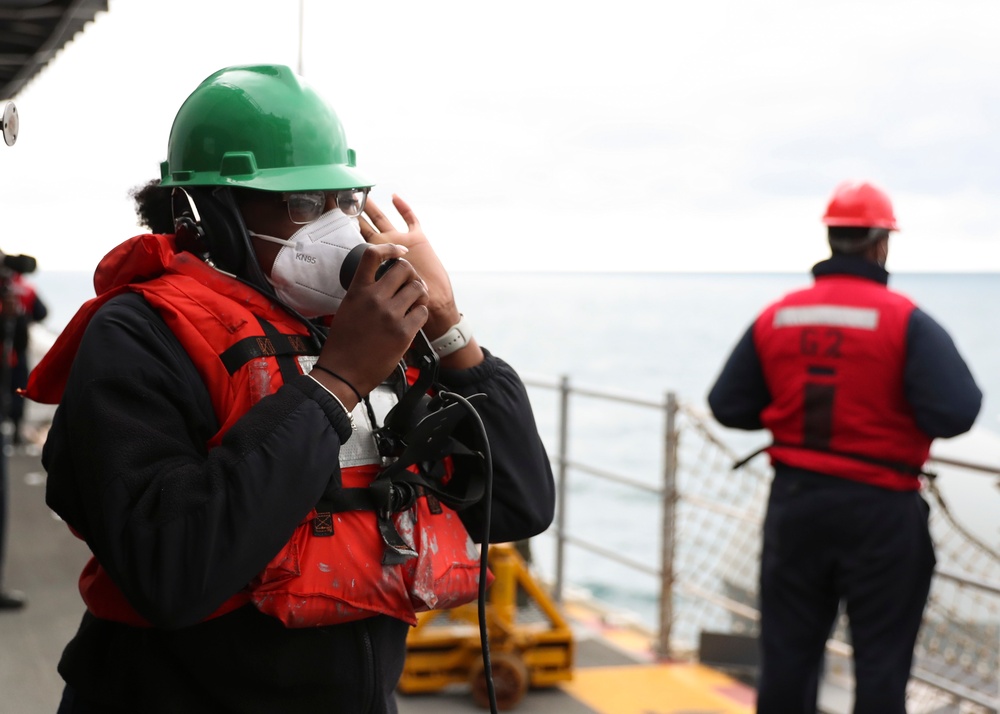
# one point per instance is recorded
(829, 541)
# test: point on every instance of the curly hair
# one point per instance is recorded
(152, 206)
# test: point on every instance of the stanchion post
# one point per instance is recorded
(561, 471)
(667, 526)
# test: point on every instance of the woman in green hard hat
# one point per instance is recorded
(229, 417)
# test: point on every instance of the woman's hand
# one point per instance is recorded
(379, 229)
(375, 325)
(443, 313)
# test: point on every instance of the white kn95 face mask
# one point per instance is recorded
(306, 271)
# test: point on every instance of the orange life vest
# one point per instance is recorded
(833, 357)
(331, 569)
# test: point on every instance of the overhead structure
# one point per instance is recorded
(33, 31)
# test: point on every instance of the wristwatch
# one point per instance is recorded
(454, 339)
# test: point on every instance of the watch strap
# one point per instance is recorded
(454, 339)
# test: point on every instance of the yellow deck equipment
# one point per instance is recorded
(530, 644)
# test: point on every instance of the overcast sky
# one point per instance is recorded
(632, 135)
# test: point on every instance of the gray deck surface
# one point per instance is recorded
(43, 560)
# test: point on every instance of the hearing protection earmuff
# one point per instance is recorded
(187, 221)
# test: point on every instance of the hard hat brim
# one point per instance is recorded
(858, 223)
(329, 177)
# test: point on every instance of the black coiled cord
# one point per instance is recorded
(485, 548)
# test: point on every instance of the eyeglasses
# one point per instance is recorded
(307, 206)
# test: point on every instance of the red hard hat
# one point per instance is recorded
(861, 204)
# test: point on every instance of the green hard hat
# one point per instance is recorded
(259, 127)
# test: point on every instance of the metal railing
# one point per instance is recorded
(668, 496)
(666, 492)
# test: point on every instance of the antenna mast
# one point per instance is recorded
(302, 9)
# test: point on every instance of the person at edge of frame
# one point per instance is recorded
(214, 442)
(21, 306)
(853, 381)
(28, 308)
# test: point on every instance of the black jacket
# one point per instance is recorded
(180, 528)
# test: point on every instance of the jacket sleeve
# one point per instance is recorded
(938, 383)
(740, 392)
(177, 527)
(39, 311)
(523, 488)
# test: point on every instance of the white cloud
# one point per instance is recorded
(636, 135)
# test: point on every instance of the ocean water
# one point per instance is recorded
(650, 333)
(646, 334)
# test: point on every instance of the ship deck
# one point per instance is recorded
(615, 673)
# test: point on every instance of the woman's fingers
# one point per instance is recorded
(378, 218)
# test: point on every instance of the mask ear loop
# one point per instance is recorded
(252, 270)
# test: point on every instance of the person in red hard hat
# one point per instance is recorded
(853, 381)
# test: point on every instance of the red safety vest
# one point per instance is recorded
(833, 357)
(313, 580)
